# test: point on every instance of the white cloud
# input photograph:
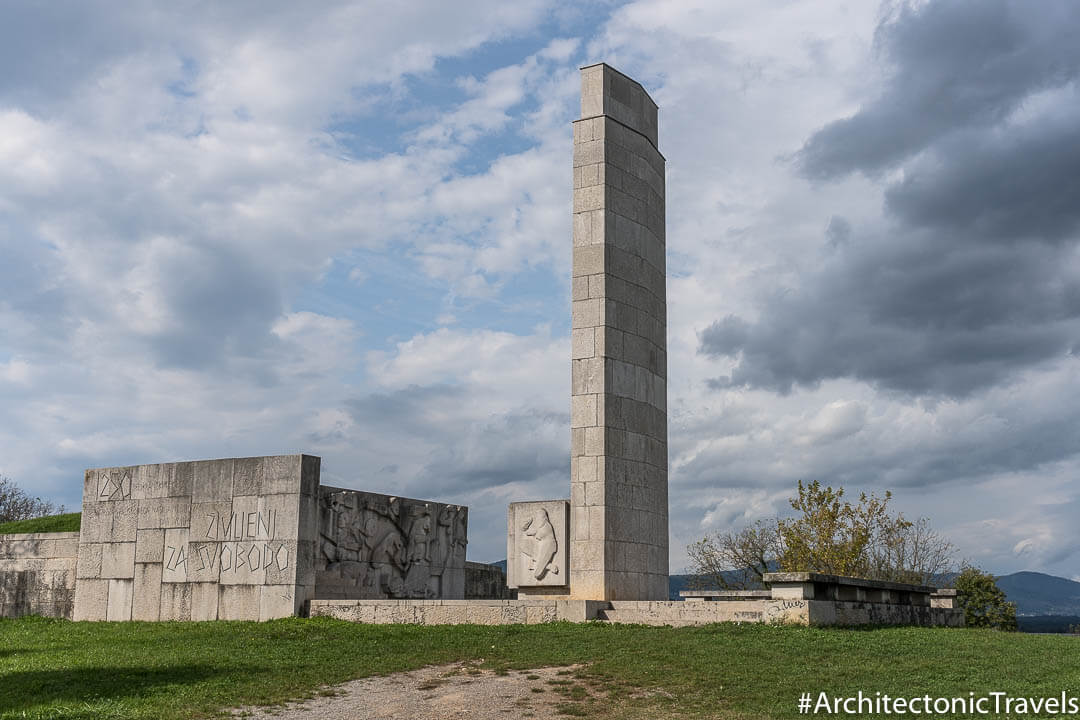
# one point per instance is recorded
(170, 203)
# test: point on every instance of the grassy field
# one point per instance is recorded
(68, 522)
(54, 669)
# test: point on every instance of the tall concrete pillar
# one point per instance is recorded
(618, 465)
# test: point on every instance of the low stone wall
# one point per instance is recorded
(828, 612)
(681, 614)
(37, 574)
(527, 611)
(531, 610)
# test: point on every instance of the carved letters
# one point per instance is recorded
(115, 485)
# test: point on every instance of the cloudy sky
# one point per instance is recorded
(257, 228)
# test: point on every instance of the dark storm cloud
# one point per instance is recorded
(951, 65)
(920, 318)
(971, 279)
(1018, 184)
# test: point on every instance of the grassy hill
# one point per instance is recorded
(68, 522)
(81, 671)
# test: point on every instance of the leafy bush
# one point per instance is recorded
(982, 601)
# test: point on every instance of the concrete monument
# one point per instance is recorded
(618, 465)
(232, 539)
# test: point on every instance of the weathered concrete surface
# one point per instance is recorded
(37, 574)
(530, 610)
(381, 546)
(830, 612)
(821, 586)
(944, 598)
(618, 466)
(231, 539)
(537, 544)
(679, 614)
(457, 612)
(486, 582)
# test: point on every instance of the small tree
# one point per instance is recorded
(982, 601)
(910, 552)
(15, 504)
(830, 535)
(736, 560)
(833, 536)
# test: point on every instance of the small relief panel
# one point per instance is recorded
(537, 544)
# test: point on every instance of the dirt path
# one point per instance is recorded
(434, 693)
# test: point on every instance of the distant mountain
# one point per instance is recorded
(1047, 623)
(1040, 594)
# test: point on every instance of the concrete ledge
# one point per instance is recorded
(457, 612)
(641, 612)
(774, 579)
(944, 598)
(718, 595)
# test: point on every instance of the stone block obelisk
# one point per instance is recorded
(618, 465)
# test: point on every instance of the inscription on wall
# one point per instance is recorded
(229, 556)
(233, 538)
(259, 525)
(114, 485)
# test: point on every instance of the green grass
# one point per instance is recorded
(60, 669)
(68, 522)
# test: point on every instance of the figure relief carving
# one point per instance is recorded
(378, 546)
(537, 544)
(540, 548)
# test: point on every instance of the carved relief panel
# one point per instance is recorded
(537, 544)
(381, 546)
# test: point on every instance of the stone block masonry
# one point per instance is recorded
(230, 539)
(37, 574)
(618, 516)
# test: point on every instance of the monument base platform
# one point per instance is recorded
(643, 612)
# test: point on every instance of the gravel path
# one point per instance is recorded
(432, 693)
